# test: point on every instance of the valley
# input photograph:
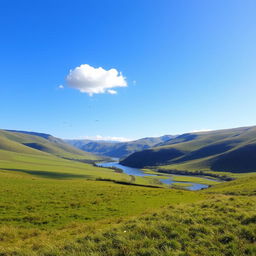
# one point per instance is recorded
(115, 149)
(55, 200)
(127, 128)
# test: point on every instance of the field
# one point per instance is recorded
(43, 213)
(50, 205)
(45, 216)
(37, 203)
(219, 226)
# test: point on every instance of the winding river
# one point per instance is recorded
(169, 181)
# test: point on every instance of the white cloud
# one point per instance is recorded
(202, 130)
(107, 138)
(88, 79)
(61, 86)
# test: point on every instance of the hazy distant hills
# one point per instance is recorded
(118, 149)
(40, 144)
(222, 150)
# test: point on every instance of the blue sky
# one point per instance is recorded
(189, 65)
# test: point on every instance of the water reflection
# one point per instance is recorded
(139, 172)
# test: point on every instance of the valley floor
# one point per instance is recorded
(51, 206)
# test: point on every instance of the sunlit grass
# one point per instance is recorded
(52, 206)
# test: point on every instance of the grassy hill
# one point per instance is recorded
(55, 216)
(230, 150)
(54, 206)
(41, 144)
(118, 149)
(42, 155)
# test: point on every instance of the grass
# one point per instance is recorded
(242, 186)
(55, 215)
(183, 178)
(47, 203)
(180, 184)
(39, 204)
(37, 145)
(219, 225)
(54, 206)
(216, 227)
(51, 166)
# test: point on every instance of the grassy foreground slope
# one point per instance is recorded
(231, 150)
(88, 218)
(46, 200)
(219, 226)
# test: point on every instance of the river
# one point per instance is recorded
(169, 181)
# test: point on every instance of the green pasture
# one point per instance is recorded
(50, 206)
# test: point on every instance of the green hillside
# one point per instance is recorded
(40, 144)
(231, 150)
(45, 156)
(51, 205)
(74, 216)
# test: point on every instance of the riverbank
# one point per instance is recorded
(186, 182)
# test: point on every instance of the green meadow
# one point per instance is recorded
(61, 207)
(76, 216)
(40, 197)
(53, 205)
(31, 201)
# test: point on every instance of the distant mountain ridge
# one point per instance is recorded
(118, 149)
(232, 150)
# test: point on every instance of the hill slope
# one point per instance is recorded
(118, 149)
(40, 144)
(44, 156)
(230, 150)
(55, 206)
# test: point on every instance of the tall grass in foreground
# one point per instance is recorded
(221, 225)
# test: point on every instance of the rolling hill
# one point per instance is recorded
(44, 156)
(54, 206)
(41, 144)
(230, 150)
(118, 149)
